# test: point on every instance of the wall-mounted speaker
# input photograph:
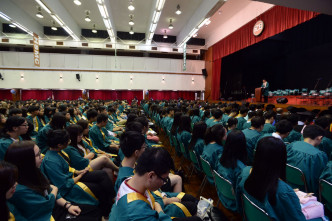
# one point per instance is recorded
(204, 72)
(1, 77)
(78, 77)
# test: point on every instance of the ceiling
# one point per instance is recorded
(193, 13)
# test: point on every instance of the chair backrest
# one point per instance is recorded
(325, 194)
(206, 167)
(182, 147)
(296, 178)
(224, 186)
(193, 157)
(252, 212)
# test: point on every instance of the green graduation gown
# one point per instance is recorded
(212, 153)
(240, 122)
(99, 137)
(326, 147)
(231, 175)
(57, 171)
(77, 161)
(246, 125)
(185, 138)
(124, 173)
(293, 136)
(252, 137)
(41, 138)
(308, 159)
(327, 173)
(199, 148)
(287, 205)
(268, 128)
(5, 142)
(27, 204)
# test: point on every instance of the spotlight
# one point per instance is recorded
(170, 24)
(131, 6)
(94, 29)
(77, 2)
(131, 21)
(165, 36)
(39, 14)
(53, 27)
(87, 17)
(131, 31)
(12, 26)
(178, 11)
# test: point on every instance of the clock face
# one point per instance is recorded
(258, 28)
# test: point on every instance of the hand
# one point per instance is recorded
(54, 190)
(171, 200)
(74, 210)
(81, 172)
(157, 207)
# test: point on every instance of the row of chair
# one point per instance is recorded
(294, 177)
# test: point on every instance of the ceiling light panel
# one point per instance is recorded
(44, 6)
(7, 18)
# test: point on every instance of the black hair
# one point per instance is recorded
(198, 132)
(154, 159)
(58, 121)
(14, 121)
(251, 114)
(130, 141)
(293, 118)
(215, 133)
(243, 109)
(8, 177)
(257, 122)
(217, 114)
(63, 107)
(206, 115)
(74, 130)
(269, 166)
(49, 111)
(71, 112)
(284, 127)
(176, 122)
(22, 155)
(91, 113)
(32, 108)
(14, 111)
(269, 114)
(102, 118)
(83, 123)
(235, 149)
(143, 120)
(185, 124)
(169, 109)
(232, 121)
(56, 137)
(313, 131)
(324, 122)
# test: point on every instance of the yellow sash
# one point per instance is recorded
(101, 131)
(137, 196)
(35, 123)
(183, 208)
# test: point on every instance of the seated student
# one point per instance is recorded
(231, 124)
(326, 144)
(76, 152)
(73, 115)
(283, 128)
(327, 172)
(99, 136)
(134, 200)
(168, 120)
(293, 135)
(145, 122)
(264, 183)
(184, 133)
(78, 186)
(14, 127)
(252, 134)
(58, 121)
(279, 112)
(269, 119)
(34, 119)
(247, 124)
(307, 157)
(114, 130)
(217, 116)
(197, 141)
(214, 139)
(35, 198)
(8, 177)
(15, 112)
(242, 117)
(48, 114)
(91, 117)
(196, 116)
(231, 163)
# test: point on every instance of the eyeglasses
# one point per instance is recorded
(165, 180)
(38, 154)
(24, 125)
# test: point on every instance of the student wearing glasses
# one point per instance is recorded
(14, 127)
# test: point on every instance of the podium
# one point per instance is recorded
(258, 94)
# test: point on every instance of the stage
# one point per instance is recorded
(300, 100)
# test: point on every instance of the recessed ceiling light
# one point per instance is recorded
(77, 2)
(178, 11)
(131, 6)
(170, 24)
(131, 31)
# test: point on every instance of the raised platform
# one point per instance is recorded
(300, 100)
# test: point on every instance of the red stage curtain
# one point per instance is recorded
(130, 95)
(277, 19)
(102, 95)
(36, 94)
(170, 95)
(5, 94)
(215, 84)
(67, 94)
